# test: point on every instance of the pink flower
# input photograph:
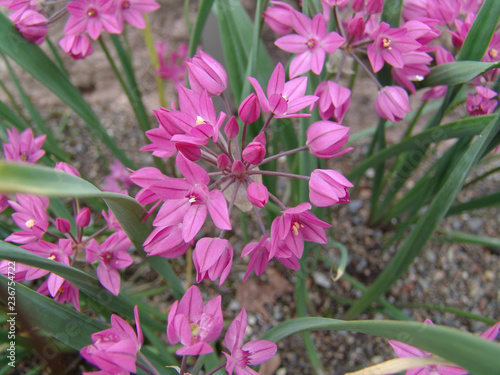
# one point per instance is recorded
(294, 226)
(334, 100)
(172, 66)
(254, 352)
(118, 179)
(277, 17)
(212, 258)
(66, 293)
(193, 323)
(232, 128)
(66, 168)
(33, 25)
(77, 46)
(3, 202)
(166, 242)
(92, 16)
(249, 110)
(59, 252)
(258, 194)
(188, 200)
(481, 103)
(392, 103)
(31, 216)
(115, 349)
(206, 73)
(24, 147)
(328, 187)
(283, 99)
(415, 69)
(112, 256)
(83, 218)
(311, 43)
(326, 138)
(389, 45)
(404, 350)
(132, 11)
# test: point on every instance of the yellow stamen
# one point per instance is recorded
(192, 199)
(91, 12)
(386, 43)
(295, 228)
(195, 329)
(52, 257)
(30, 223)
(199, 120)
(493, 53)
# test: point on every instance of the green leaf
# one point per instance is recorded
(456, 236)
(428, 221)
(33, 179)
(476, 354)
(490, 200)
(482, 29)
(32, 59)
(201, 19)
(457, 72)
(391, 12)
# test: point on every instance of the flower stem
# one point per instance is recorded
(284, 153)
(367, 70)
(183, 365)
(216, 369)
(150, 369)
(281, 174)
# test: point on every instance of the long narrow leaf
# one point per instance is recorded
(456, 72)
(201, 19)
(428, 222)
(471, 352)
(32, 59)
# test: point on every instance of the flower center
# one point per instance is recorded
(386, 43)
(52, 257)
(493, 53)
(312, 43)
(200, 120)
(107, 258)
(195, 329)
(192, 199)
(126, 4)
(295, 227)
(30, 223)
(91, 12)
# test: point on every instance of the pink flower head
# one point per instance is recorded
(404, 350)
(31, 216)
(206, 73)
(258, 194)
(283, 99)
(33, 25)
(112, 256)
(115, 349)
(249, 110)
(277, 17)
(188, 200)
(334, 100)
(212, 258)
(66, 168)
(328, 187)
(481, 103)
(77, 46)
(232, 128)
(66, 293)
(83, 218)
(92, 16)
(311, 43)
(132, 11)
(193, 323)
(416, 67)
(4, 203)
(254, 352)
(326, 138)
(58, 252)
(392, 103)
(389, 45)
(24, 147)
(295, 226)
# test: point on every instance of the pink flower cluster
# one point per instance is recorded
(86, 21)
(199, 137)
(65, 240)
(191, 323)
(408, 50)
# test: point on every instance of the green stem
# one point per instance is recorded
(153, 56)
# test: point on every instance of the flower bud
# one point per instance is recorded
(83, 218)
(249, 110)
(232, 128)
(238, 167)
(277, 17)
(258, 194)
(328, 187)
(326, 138)
(356, 26)
(189, 150)
(206, 73)
(392, 103)
(255, 151)
(222, 161)
(63, 225)
(213, 259)
(77, 46)
(32, 25)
